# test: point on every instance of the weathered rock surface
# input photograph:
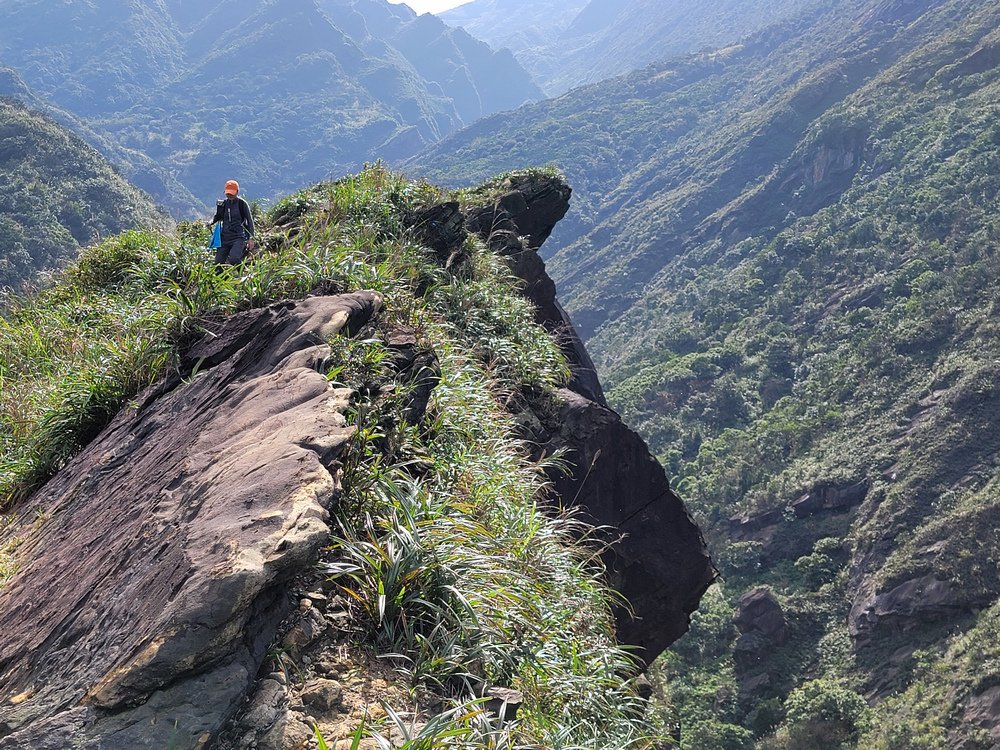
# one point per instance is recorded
(763, 628)
(828, 497)
(825, 497)
(156, 581)
(661, 564)
(909, 605)
(984, 711)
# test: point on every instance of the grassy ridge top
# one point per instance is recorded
(457, 574)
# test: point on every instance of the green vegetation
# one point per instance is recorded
(857, 344)
(929, 714)
(783, 257)
(459, 571)
(59, 194)
(186, 96)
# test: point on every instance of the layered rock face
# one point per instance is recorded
(156, 582)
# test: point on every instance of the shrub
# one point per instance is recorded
(823, 714)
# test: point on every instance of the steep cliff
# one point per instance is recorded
(790, 297)
(254, 502)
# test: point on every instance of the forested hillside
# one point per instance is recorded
(784, 259)
(58, 195)
(278, 94)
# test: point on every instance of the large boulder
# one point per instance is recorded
(154, 567)
(763, 629)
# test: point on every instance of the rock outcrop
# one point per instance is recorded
(984, 711)
(156, 579)
(907, 606)
(162, 569)
(828, 497)
(515, 225)
(763, 628)
(660, 563)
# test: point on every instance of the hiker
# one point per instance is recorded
(237, 226)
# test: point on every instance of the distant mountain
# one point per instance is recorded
(58, 195)
(277, 93)
(784, 254)
(515, 24)
(564, 45)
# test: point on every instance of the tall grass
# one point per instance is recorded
(468, 576)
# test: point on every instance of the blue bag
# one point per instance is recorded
(216, 236)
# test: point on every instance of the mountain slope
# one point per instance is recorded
(579, 44)
(788, 282)
(59, 194)
(277, 93)
(514, 24)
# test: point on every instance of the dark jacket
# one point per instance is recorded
(237, 221)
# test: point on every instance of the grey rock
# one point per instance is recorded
(763, 629)
(983, 711)
(660, 563)
(148, 598)
(308, 626)
(831, 498)
(515, 226)
(267, 705)
(322, 695)
(288, 733)
(760, 612)
(911, 604)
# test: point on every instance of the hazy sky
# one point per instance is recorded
(431, 6)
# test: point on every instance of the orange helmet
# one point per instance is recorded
(232, 187)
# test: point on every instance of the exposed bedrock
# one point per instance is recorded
(155, 564)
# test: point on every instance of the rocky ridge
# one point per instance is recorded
(166, 590)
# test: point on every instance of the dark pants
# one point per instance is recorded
(231, 251)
